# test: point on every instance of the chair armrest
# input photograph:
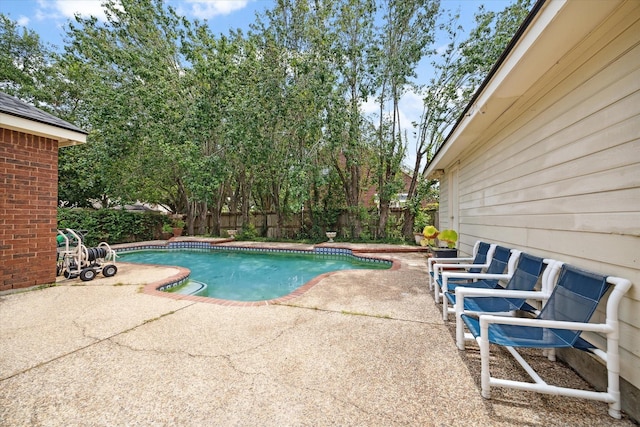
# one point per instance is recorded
(461, 275)
(441, 267)
(486, 319)
(432, 260)
(435, 264)
(461, 291)
(459, 265)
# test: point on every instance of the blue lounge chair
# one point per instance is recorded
(559, 325)
(508, 300)
(482, 254)
(503, 259)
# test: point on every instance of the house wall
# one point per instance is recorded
(559, 175)
(29, 194)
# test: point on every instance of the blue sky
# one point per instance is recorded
(47, 18)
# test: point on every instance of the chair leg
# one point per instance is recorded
(431, 272)
(431, 278)
(485, 375)
(613, 374)
(460, 340)
(445, 305)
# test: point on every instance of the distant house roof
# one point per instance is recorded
(18, 115)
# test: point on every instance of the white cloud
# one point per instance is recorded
(85, 8)
(371, 106)
(412, 104)
(69, 8)
(442, 49)
(410, 108)
(23, 21)
(205, 9)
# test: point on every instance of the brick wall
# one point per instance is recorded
(28, 200)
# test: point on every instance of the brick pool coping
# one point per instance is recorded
(195, 243)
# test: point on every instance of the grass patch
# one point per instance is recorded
(158, 318)
(345, 312)
(357, 313)
(29, 289)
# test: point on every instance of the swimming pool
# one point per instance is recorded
(249, 275)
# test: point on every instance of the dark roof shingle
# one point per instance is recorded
(15, 107)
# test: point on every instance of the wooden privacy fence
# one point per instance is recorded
(266, 224)
(261, 221)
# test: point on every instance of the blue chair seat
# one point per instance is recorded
(452, 284)
(494, 305)
(482, 254)
(526, 336)
(566, 314)
(524, 278)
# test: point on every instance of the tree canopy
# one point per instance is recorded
(271, 120)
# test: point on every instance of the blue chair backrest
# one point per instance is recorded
(499, 261)
(574, 299)
(481, 257)
(527, 273)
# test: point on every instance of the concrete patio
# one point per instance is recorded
(360, 348)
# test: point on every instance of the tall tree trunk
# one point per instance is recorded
(216, 210)
(409, 214)
(191, 217)
(354, 202)
(201, 224)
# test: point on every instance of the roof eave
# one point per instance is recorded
(548, 33)
(65, 137)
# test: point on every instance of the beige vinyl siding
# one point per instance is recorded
(443, 204)
(559, 175)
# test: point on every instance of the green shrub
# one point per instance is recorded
(248, 232)
(422, 219)
(112, 226)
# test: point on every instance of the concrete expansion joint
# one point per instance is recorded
(84, 330)
(303, 390)
(229, 356)
(96, 341)
(226, 356)
(344, 402)
(228, 359)
(296, 322)
(160, 352)
(363, 314)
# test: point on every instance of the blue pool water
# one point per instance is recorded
(249, 276)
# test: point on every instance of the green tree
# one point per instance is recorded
(407, 34)
(458, 72)
(211, 128)
(296, 81)
(25, 63)
(35, 73)
(352, 39)
(133, 97)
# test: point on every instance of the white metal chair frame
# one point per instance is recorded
(610, 357)
(446, 275)
(431, 262)
(438, 265)
(549, 277)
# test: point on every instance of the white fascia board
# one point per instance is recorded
(65, 137)
(479, 116)
(557, 28)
